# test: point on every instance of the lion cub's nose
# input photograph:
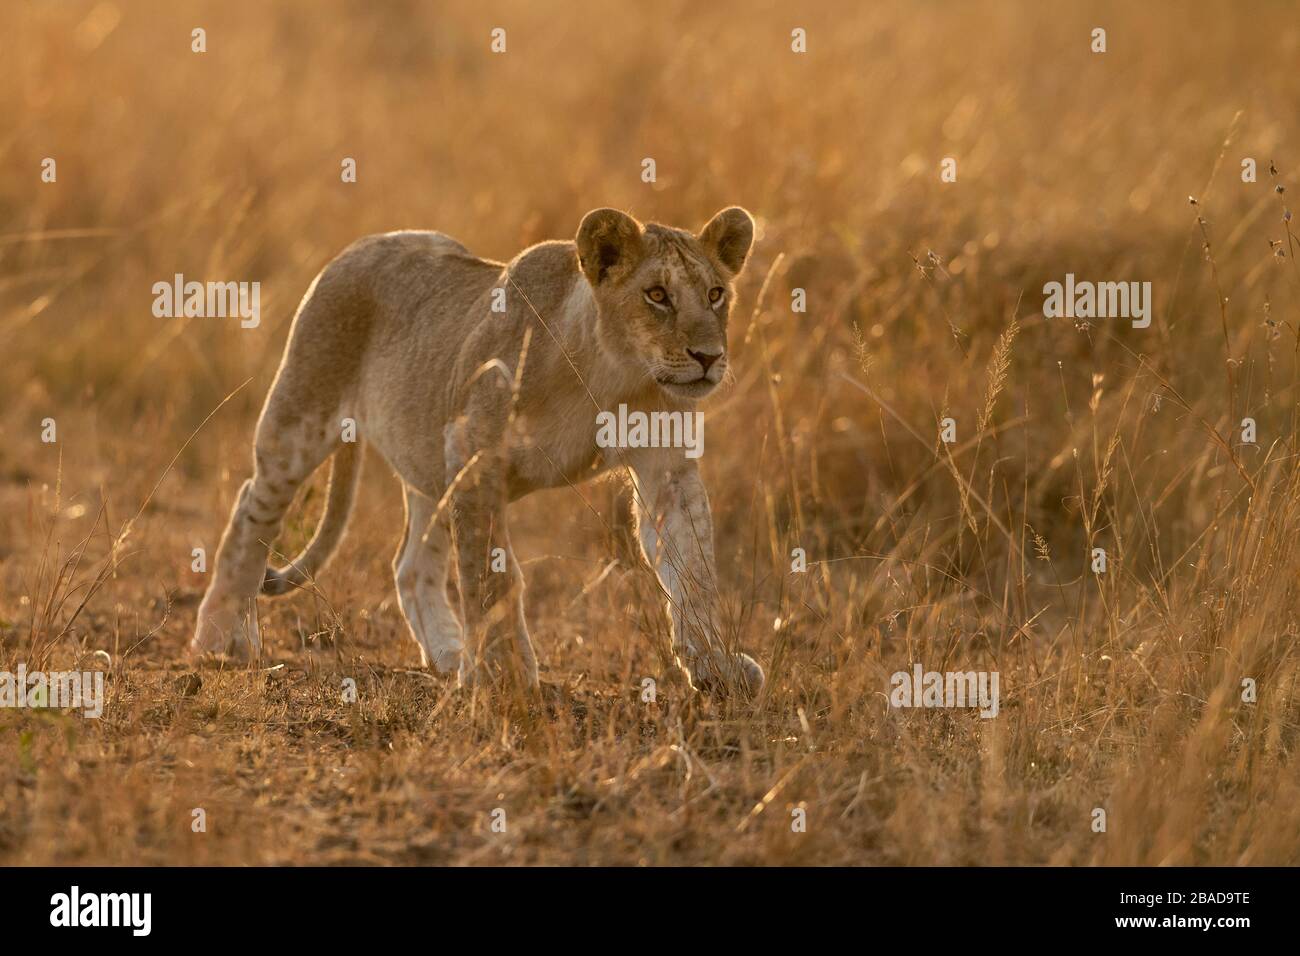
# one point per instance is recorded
(704, 358)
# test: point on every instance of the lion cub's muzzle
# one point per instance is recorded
(700, 373)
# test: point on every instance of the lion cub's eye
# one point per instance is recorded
(658, 295)
(715, 294)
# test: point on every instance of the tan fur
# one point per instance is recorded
(398, 334)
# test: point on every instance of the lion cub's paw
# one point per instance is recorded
(732, 674)
(751, 674)
(447, 661)
(226, 633)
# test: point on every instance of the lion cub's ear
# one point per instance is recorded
(609, 241)
(728, 237)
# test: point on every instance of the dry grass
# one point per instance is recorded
(1120, 691)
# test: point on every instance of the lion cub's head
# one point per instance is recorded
(663, 295)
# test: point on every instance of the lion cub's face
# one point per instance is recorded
(663, 295)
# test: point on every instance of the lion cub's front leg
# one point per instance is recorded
(491, 582)
(675, 528)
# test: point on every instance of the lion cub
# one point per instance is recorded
(480, 382)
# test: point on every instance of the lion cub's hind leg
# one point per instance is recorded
(420, 569)
(289, 446)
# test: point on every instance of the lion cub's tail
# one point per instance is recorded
(345, 471)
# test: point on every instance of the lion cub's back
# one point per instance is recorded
(388, 307)
(397, 285)
(409, 273)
